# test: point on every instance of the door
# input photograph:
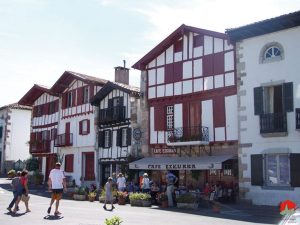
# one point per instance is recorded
(89, 165)
(50, 164)
(105, 173)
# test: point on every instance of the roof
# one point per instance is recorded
(16, 106)
(109, 86)
(265, 26)
(168, 41)
(33, 94)
(69, 76)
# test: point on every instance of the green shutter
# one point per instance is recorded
(257, 170)
(258, 101)
(128, 136)
(288, 98)
(101, 139)
(119, 137)
(295, 170)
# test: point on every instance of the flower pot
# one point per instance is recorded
(121, 201)
(92, 198)
(164, 204)
(79, 197)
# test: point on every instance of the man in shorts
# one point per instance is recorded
(56, 183)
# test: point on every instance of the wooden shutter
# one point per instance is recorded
(219, 111)
(177, 71)
(119, 138)
(74, 98)
(69, 163)
(288, 98)
(64, 100)
(91, 91)
(159, 118)
(295, 169)
(88, 126)
(101, 139)
(48, 135)
(257, 170)
(169, 73)
(80, 127)
(218, 66)
(110, 138)
(128, 141)
(258, 101)
(46, 109)
(80, 95)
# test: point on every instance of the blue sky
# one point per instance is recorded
(40, 39)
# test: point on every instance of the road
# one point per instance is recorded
(92, 213)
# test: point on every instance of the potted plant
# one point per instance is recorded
(122, 197)
(187, 201)
(140, 199)
(216, 206)
(79, 194)
(11, 174)
(92, 196)
(162, 199)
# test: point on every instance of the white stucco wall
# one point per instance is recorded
(258, 74)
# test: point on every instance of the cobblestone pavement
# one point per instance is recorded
(92, 213)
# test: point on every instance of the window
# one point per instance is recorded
(53, 133)
(116, 101)
(86, 95)
(271, 52)
(277, 170)
(84, 127)
(51, 108)
(45, 135)
(107, 139)
(69, 163)
(170, 117)
(69, 99)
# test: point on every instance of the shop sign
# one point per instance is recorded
(177, 166)
(164, 151)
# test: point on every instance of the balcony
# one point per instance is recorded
(63, 140)
(40, 146)
(112, 115)
(181, 136)
(273, 123)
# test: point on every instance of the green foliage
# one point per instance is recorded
(186, 198)
(32, 164)
(11, 173)
(113, 221)
(139, 196)
(80, 190)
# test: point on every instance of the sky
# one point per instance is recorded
(40, 39)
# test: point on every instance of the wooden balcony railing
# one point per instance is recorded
(273, 123)
(112, 115)
(40, 146)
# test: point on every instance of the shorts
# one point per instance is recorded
(57, 194)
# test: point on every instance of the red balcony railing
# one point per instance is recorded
(63, 140)
(40, 146)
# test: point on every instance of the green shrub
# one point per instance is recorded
(139, 196)
(80, 190)
(113, 221)
(186, 198)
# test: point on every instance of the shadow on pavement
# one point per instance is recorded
(15, 214)
(50, 217)
(253, 214)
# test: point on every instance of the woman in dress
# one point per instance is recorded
(108, 193)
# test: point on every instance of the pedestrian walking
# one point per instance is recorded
(108, 193)
(22, 192)
(14, 184)
(171, 180)
(121, 182)
(145, 183)
(56, 184)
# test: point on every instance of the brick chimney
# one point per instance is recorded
(122, 74)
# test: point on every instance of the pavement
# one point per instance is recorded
(92, 213)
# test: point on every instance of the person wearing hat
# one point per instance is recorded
(56, 184)
(121, 182)
(108, 193)
(145, 183)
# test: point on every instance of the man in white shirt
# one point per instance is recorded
(56, 183)
(121, 182)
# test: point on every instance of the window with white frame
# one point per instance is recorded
(124, 137)
(271, 52)
(106, 139)
(85, 128)
(277, 171)
(170, 117)
(86, 94)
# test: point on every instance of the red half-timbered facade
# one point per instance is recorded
(192, 95)
(44, 125)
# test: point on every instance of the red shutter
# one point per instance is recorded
(46, 109)
(88, 126)
(91, 91)
(159, 118)
(74, 98)
(69, 162)
(64, 100)
(80, 96)
(218, 63)
(219, 111)
(48, 135)
(208, 65)
(80, 127)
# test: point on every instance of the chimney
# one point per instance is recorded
(122, 74)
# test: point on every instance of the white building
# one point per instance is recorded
(14, 135)
(269, 109)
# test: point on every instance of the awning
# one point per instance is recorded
(180, 163)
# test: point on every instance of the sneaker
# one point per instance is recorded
(49, 210)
